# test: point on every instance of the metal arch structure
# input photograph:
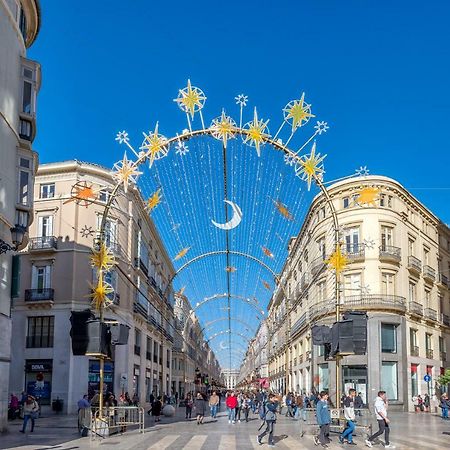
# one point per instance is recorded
(128, 172)
(221, 319)
(253, 304)
(230, 332)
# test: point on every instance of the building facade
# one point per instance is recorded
(56, 278)
(230, 378)
(19, 85)
(398, 272)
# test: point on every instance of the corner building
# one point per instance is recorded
(398, 272)
(56, 278)
(20, 80)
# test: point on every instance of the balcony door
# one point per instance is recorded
(387, 239)
(352, 285)
(41, 278)
(352, 240)
(45, 227)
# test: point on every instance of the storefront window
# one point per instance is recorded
(94, 377)
(323, 377)
(414, 386)
(38, 379)
(388, 338)
(389, 379)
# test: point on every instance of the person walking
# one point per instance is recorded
(30, 412)
(380, 408)
(426, 403)
(349, 413)
(323, 420)
(156, 409)
(444, 405)
(270, 418)
(200, 407)
(213, 404)
(188, 403)
(246, 405)
(231, 403)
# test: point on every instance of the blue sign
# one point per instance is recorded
(427, 378)
(41, 390)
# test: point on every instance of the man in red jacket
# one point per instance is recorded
(231, 403)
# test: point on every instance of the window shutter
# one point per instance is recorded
(47, 283)
(15, 278)
(34, 277)
(40, 226)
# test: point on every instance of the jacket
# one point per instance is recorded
(271, 411)
(349, 408)
(31, 407)
(213, 400)
(231, 401)
(322, 413)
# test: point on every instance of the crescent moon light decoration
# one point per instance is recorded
(235, 220)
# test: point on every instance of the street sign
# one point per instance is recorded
(123, 380)
(427, 378)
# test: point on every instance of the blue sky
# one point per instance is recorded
(377, 72)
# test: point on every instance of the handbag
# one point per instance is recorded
(34, 414)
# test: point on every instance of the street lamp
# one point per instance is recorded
(17, 235)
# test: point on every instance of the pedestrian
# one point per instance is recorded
(246, 405)
(200, 407)
(188, 403)
(270, 418)
(176, 398)
(358, 404)
(231, 403)
(426, 403)
(14, 409)
(349, 413)
(135, 399)
(240, 400)
(380, 407)
(30, 412)
(323, 420)
(156, 409)
(152, 397)
(213, 404)
(444, 405)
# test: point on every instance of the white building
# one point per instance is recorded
(230, 377)
(19, 85)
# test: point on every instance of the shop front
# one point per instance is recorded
(38, 379)
(94, 377)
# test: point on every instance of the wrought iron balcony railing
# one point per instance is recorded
(317, 265)
(414, 350)
(414, 264)
(443, 356)
(43, 243)
(429, 353)
(39, 295)
(355, 252)
(375, 301)
(390, 253)
(443, 279)
(431, 314)
(416, 308)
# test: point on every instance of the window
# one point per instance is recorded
(322, 248)
(41, 277)
(45, 226)
(386, 237)
(441, 345)
(410, 247)
(386, 200)
(321, 291)
(388, 338)
(413, 339)
(428, 340)
(24, 195)
(160, 354)
(40, 332)
(149, 349)
(412, 292)
(104, 196)
(27, 97)
(414, 384)
(155, 352)
(22, 23)
(389, 381)
(22, 218)
(323, 377)
(47, 190)
(352, 240)
(387, 283)
(426, 256)
(137, 342)
(346, 202)
(25, 129)
(168, 359)
(352, 284)
(427, 298)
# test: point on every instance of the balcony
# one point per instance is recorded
(429, 273)
(376, 302)
(389, 253)
(355, 253)
(443, 356)
(414, 350)
(429, 353)
(322, 309)
(443, 280)
(43, 243)
(414, 265)
(39, 295)
(299, 324)
(415, 308)
(431, 314)
(140, 309)
(317, 265)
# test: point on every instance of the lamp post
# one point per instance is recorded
(17, 235)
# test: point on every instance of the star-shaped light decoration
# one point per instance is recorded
(363, 171)
(266, 285)
(364, 288)
(321, 127)
(102, 258)
(154, 145)
(241, 100)
(283, 210)
(82, 194)
(181, 253)
(230, 269)
(256, 132)
(290, 159)
(87, 231)
(122, 137)
(267, 252)
(100, 294)
(223, 128)
(368, 196)
(297, 113)
(126, 172)
(153, 201)
(310, 167)
(369, 243)
(337, 261)
(181, 148)
(191, 99)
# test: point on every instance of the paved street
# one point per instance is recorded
(409, 431)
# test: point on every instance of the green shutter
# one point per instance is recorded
(15, 278)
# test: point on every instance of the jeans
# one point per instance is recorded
(324, 435)
(304, 414)
(188, 412)
(383, 427)
(213, 411)
(445, 413)
(269, 429)
(348, 432)
(231, 414)
(26, 418)
(246, 411)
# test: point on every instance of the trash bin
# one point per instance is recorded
(57, 405)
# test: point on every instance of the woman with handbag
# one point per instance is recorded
(30, 411)
(269, 419)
